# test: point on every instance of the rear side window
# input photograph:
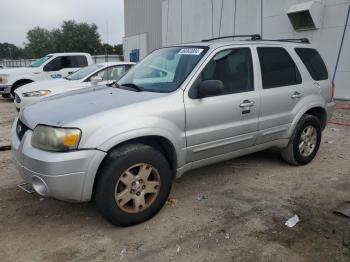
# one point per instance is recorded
(313, 62)
(277, 68)
(73, 61)
(77, 61)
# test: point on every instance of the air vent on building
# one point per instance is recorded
(305, 16)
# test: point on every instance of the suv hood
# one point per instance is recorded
(60, 110)
(19, 70)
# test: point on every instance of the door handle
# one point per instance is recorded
(296, 95)
(247, 103)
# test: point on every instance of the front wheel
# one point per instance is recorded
(305, 141)
(133, 185)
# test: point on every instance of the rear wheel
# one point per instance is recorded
(305, 142)
(133, 185)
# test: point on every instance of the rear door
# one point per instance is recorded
(227, 122)
(280, 93)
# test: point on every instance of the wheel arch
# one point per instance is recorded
(19, 82)
(320, 113)
(160, 143)
(316, 109)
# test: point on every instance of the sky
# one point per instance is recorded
(19, 16)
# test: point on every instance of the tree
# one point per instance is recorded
(109, 49)
(80, 37)
(40, 42)
(70, 37)
(10, 51)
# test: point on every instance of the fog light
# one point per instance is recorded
(39, 186)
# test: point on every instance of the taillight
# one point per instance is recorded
(333, 89)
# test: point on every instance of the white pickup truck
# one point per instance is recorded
(51, 66)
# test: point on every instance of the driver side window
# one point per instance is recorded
(54, 65)
(234, 68)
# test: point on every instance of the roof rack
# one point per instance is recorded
(252, 37)
(257, 37)
(294, 40)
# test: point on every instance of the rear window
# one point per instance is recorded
(313, 62)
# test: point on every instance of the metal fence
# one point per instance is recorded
(27, 62)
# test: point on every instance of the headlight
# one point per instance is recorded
(36, 93)
(3, 79)
(56, 138)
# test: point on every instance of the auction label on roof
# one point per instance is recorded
(190, 51)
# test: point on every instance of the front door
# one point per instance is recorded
(227, 122)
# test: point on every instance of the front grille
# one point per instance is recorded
(21, 129)
(17, 99)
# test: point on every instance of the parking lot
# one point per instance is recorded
(232, 211)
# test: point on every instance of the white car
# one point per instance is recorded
(51, 66)
(90, 76)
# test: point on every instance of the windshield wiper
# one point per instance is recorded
(115, 84)
(132, 86)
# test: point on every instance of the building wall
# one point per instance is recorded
(184, 21)
(143, 26)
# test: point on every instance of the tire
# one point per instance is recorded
(6, 96)
(295, 156)
(125, 164)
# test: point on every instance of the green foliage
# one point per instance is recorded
(10, 51)
(109, 49)
(40, 42)
(70, 37)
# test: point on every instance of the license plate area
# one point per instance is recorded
(26, 187)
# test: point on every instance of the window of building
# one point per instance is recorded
(277, 68)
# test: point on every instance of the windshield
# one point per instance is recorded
(40, 61)
(165, 69)
(83, 72)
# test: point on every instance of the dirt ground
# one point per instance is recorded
(232, 211)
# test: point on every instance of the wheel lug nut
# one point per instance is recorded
(138, 193)
(143, 187)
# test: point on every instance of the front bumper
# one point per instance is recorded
(66, 176)
(5, 89)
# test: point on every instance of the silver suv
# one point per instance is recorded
(180, 108)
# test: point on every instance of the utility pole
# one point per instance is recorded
(10, 52)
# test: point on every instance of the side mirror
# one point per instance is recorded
(210, 88)
(95, 80)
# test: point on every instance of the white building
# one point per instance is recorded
(150, 24)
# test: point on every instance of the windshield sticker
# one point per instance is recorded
(190, 51)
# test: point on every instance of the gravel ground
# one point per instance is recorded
(232, 211)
